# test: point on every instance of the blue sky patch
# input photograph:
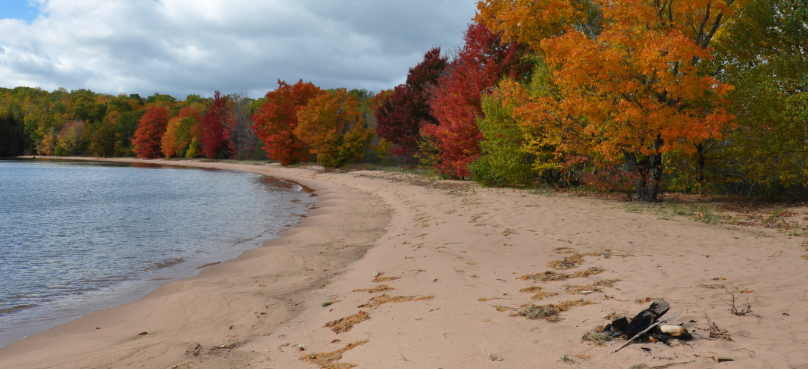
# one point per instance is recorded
(19, 9)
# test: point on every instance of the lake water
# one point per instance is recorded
(76, 237)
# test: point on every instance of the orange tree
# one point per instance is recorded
(626, 78)
(332, 125)
(275, 121)
(149, 133)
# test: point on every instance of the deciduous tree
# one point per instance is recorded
(213, 135)
(241, 137)
(401, 114)
(275, 121)
(456, 103)
(125, 128)
(149, 133)
(332, 125)
(631, 92)
(72, 139)
(764, 53)
(502, 160)
(103, 142)
(181, 130)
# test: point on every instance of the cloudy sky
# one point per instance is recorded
(182, 47)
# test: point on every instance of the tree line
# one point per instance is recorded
(637, 96)
(61, 123)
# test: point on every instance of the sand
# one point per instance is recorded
(433, 275)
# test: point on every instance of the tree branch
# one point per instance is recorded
(716, 24)
(646, 330)
(703, 23)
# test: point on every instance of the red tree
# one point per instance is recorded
(213, 135)
(456, 102)
(276, 120)
(401, 114)
(149, 134)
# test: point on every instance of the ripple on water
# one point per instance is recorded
(76, 237)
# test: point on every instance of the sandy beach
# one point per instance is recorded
(434, 274)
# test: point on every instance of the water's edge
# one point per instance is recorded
(51, 323)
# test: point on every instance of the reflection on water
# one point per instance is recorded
(76, 237)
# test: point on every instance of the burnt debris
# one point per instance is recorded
(627, 329)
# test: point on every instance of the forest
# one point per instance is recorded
(632, 96)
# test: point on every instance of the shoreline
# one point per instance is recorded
(456, 263)
(136, 281)
(234, 272)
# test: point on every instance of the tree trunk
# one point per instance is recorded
(647, 173)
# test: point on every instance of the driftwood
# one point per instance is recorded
(645, 322)
(646, 317)
(646, 330)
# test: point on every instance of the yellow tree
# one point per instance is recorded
(625, 78)
(181, 131)
(332, 125)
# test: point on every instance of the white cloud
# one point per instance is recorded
(197, 46)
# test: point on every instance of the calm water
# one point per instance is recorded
(77, 237)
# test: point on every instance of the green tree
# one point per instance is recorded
(764, 53)
(125, 128)
(502, 161)
(102, 142)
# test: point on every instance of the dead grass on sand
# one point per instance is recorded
(607, 254)
(594, 287)
(377, 289)
(384, 279)
(539, 294)
(569, 262)
(347, 323)
(383, 299)
(549, 312)
(716, 332)
(597, 336)
(534, 289)
(553, 276)
(328, 360)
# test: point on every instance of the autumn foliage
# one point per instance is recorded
(149, 133)
(275, 122)
(631, 96)
(400, 115)
(181, 130)
(626, 90)
(213, 133)
(456, 100)
(334, 128)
